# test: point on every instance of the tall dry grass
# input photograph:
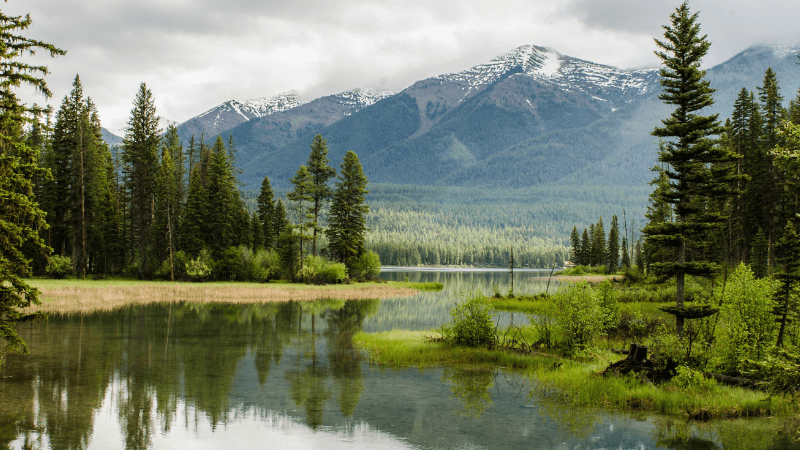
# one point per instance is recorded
(77, 299)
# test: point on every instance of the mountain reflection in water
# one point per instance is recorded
(286, 374)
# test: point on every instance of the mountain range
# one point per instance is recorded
(529, 117)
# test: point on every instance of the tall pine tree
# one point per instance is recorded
(347, 223)
(140, 155)
(690, 152)
(320, 170)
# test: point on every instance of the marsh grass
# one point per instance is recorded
(535, 305)
(430, 286)
(576, 382)
(85, 297)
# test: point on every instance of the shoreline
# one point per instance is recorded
(88, 296)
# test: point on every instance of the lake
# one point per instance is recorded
(285, 375)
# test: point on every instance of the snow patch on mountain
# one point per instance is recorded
(362, 97)
(551, 67)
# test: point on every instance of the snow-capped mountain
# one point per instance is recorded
(526, 117)
(223, 117)
(550, 67)
(362, 97)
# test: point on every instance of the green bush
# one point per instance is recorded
(367, 267)
(545, 324)
(688, 378)
(265, 266)
(163, 270)
(579, 315)
(199, 269)
(746, 323)
(59, 266)
(318, 270)
(471, 323)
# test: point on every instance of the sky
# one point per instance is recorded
(196, 54)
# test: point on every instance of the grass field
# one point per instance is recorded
(72, 296)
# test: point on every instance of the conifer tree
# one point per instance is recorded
(612, 258)
(279, 221)
(575, 239)
(320, 171)
(266, 210)
(626, 257)
(347, 224)
(166, 208)
(301, 196)
(20, 216)
(788, 309)
(223, 200)
(690, 152)
(586, 247)
(257, 232)
(193, 224)
(599, 250)
(140, 155)
(771, 193)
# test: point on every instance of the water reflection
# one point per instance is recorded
(286, 374)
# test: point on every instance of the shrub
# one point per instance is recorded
(579, 315)
(688, 378)
(367, 267)
(59, 266)
(265, 266)
(471, 323)
(545, 324)
(318, 270)
(608, 305)
(746, 323)
(163, 270)
(199, 269)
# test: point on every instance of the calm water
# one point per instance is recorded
(286, 376)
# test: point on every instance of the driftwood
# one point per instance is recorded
(733, 381)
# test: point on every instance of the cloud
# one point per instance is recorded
(196, 54)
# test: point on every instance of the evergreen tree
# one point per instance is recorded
(166, 208)
(759, 254)
(347, 224)
(586, 247)
(140, 155)
(771, 194)
(279, 219)
(20, 216)
(300, 197)
(193, 225)
(288, 244)
(612, 257)
(626, 258)
(266, 210)
(690, 152)
(172, 144)
(599, 244)
(575, 253)
(320, 171)
(223, 201)
(788, 309)
(257, 233)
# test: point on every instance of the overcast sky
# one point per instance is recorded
(196, 54)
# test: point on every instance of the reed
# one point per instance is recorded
(86, 297)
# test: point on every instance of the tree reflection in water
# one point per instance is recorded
(153, 359)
